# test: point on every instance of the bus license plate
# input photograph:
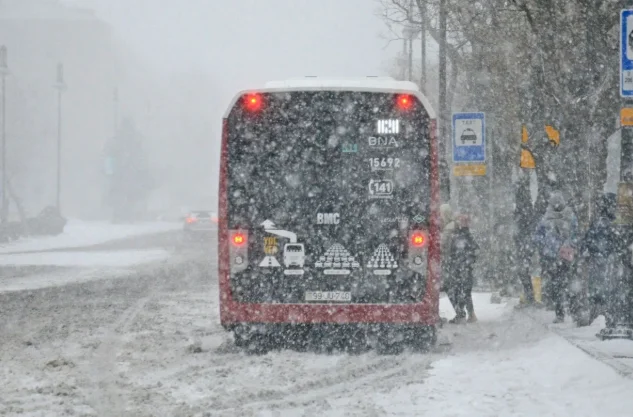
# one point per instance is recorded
(342, 296)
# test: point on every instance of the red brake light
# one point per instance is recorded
(239, 239)
(404, 101)
(253, 102)
(418, 239)
(191, 220)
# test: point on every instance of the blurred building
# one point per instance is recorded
(38, 35)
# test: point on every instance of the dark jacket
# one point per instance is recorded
(464, 250)
(600, 237)
(598, 244)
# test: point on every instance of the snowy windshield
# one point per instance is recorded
(308, 153)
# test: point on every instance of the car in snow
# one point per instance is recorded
(200, 224)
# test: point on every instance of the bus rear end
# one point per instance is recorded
(328, 214)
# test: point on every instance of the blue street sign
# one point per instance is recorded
(626, 53)
(469, 137)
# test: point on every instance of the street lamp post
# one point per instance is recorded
(4, 71)
(445, 184)
(60, 86)
(115, 100)
(409, 33)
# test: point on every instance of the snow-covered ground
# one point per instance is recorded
(152, 346)
(86, 259)
(76, 267)
(80, 233)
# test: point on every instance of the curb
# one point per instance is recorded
(621, 368)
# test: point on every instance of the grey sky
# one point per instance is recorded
(247, 42)
(216, 48)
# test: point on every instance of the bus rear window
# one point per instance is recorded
(301, 154)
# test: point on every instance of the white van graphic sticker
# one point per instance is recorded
(337, 261)
(293, 252)
(382, 261)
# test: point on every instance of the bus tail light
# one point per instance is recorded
(238, 250)
(404, 101)
(239, 239)
(253, 102)
(417, 257)
(418, 239)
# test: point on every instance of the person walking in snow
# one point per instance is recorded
(597, 245)
(555, 238)
(446, 237)
(463, 255)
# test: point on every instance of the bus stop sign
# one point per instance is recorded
(626, 53)
(469, 137)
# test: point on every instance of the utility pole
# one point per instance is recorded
(115, 100)
(422, 6)
(445, 176)
(409, 33)
(404, 55)
(4, 71)
(410, 57)
(60, 86)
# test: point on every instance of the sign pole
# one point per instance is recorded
(620, 317)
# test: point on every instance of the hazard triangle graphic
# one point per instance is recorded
(382, 261)
(269, 262)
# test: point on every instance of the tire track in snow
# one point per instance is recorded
(107, 398)
(388, 372)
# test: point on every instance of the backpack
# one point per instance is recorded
(552, 242)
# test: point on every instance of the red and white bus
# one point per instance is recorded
(329, 198)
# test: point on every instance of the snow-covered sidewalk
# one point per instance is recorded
(79, 234)
(617, 353)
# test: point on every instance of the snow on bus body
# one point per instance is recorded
(377, 84)
(236, 245)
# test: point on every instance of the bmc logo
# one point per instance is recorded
(328, 218)
(383, 142)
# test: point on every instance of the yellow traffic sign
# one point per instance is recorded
(553, 135)
(527, 159)
(469, 170)
(626, 117)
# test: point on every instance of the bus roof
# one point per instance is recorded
(376, 84)
(387, 83)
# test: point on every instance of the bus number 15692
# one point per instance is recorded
(384, 163)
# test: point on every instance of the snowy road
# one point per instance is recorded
(151, 345)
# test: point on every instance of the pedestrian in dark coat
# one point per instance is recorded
(556, 240)
(446, 238)
(464, 251)
(598, 244)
